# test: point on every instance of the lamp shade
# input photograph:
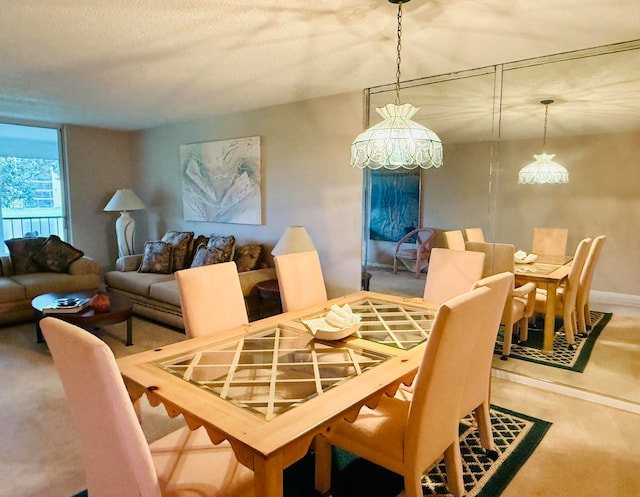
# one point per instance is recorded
(124, 200)
(397, 142)
(294, 239)
(543, 171)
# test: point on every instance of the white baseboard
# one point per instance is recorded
(567, 390)
(614, 298)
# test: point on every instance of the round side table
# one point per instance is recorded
(268, 290)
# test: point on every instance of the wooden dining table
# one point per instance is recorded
(269, 387)
(546, 272)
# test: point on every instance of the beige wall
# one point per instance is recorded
(99, 162)
(306, 179)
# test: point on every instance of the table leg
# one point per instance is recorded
(130, 331)
(268, 476)
(549, 319)
(323, 465)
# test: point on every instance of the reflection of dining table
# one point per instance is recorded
(270, 387)
(546, 272)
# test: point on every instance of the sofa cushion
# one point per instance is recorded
(226, 243)
(22, 251)
(38, 283)
(157, 258)
(205, 256)
(10, 291)
(200, 240)
(134, 282)
(247, 256)
(56, 255)
(166, 291)
(182, 242)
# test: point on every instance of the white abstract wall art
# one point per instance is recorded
(221, 181)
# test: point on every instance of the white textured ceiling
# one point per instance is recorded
(132, 64)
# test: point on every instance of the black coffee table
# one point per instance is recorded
(121, 309)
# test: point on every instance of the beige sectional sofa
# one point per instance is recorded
(155, 295)
(18, 286)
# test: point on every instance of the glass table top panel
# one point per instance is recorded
(272, 371)
(398, 325)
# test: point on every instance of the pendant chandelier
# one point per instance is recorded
(397, 141)
(543, 169)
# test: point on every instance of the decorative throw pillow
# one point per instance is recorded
(200, 240)
(182, 247)
(226, 243)
(157, 258)
(56, 255)
(205, 256)
(246, 257)
(22, 251)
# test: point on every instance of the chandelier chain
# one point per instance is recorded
(546, 117)
(398, 59)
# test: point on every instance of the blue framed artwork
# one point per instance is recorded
(395, 203)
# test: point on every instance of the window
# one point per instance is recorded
(32, 183)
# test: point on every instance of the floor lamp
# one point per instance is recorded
(124, 200)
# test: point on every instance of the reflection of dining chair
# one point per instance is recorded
(582, 301)
(300, 280)
(451, 273)
(414, 249)
(454, 239)
(474, 234)
(521, 300)
(408, 436)
(211, 299)
(117, 459)
(549, 241)
(566, 295)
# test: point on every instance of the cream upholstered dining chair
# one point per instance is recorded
(451, 272)
(454, 239)
(408, 436)
(414, 249)
(477, 388)
(521, 300)
(117, 459)
(300, 280)
(474, 234)
(549, 241)
(567, 294)
(582, 300)
(211, 299)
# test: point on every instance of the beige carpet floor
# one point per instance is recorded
(591, 450)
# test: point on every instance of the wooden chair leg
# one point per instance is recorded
(453, 465)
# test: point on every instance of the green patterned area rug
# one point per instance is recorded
(516, 436)
(563, 357)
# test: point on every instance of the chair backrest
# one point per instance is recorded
(454, 239)
(477, 385)
(116, 456)
(451, 273)
(211, 299)
(586, 277)
(424, 235)
(474, 234)
(577, 265)
(499, 257)
(461, 330)
(549, 241)
(300, 280)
